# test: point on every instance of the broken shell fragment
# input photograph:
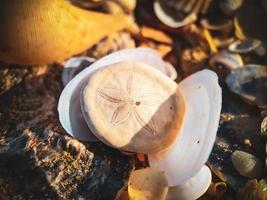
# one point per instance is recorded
(219, 25)
(27, 40)
(124, 104)
(226, 59)
(247, 164)
(177, 20)
(230, 6)
(245, 46)
(147, 184)
(70, 114)
(192, 188)
(202, 95)
(250, 83)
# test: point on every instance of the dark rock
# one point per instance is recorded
(239, 123)
(38, 160)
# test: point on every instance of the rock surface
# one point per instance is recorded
(38, 160)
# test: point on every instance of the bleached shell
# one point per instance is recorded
(70, 114)
(203, 98)
(192, 188)
(247, 164)
(127, 104)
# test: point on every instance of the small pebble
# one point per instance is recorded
(264, 127)
(247, 164)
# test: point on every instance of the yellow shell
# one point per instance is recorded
(147, 184)
(41, 32)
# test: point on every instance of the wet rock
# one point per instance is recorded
(239, 122)
(250, 83)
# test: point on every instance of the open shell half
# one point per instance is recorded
(202, 95)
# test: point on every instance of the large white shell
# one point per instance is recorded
(192, 188)
(203, 97)
(70, 114)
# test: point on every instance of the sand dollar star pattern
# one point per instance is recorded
(127, 104)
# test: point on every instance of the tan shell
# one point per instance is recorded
(147, 184)
(247, 164)
(41, 32)
(128, 104)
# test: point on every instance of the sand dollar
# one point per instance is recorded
(133, 107)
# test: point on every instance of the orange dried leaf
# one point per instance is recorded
(156, 35)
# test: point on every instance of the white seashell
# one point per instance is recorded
(192, 188)
(70, 114)
(203, 97)
(73, 66)
(247, 164)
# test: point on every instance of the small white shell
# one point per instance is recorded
(169, 21)
(70, 114)
(193, 188)
(247, 164)
(203, 97)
